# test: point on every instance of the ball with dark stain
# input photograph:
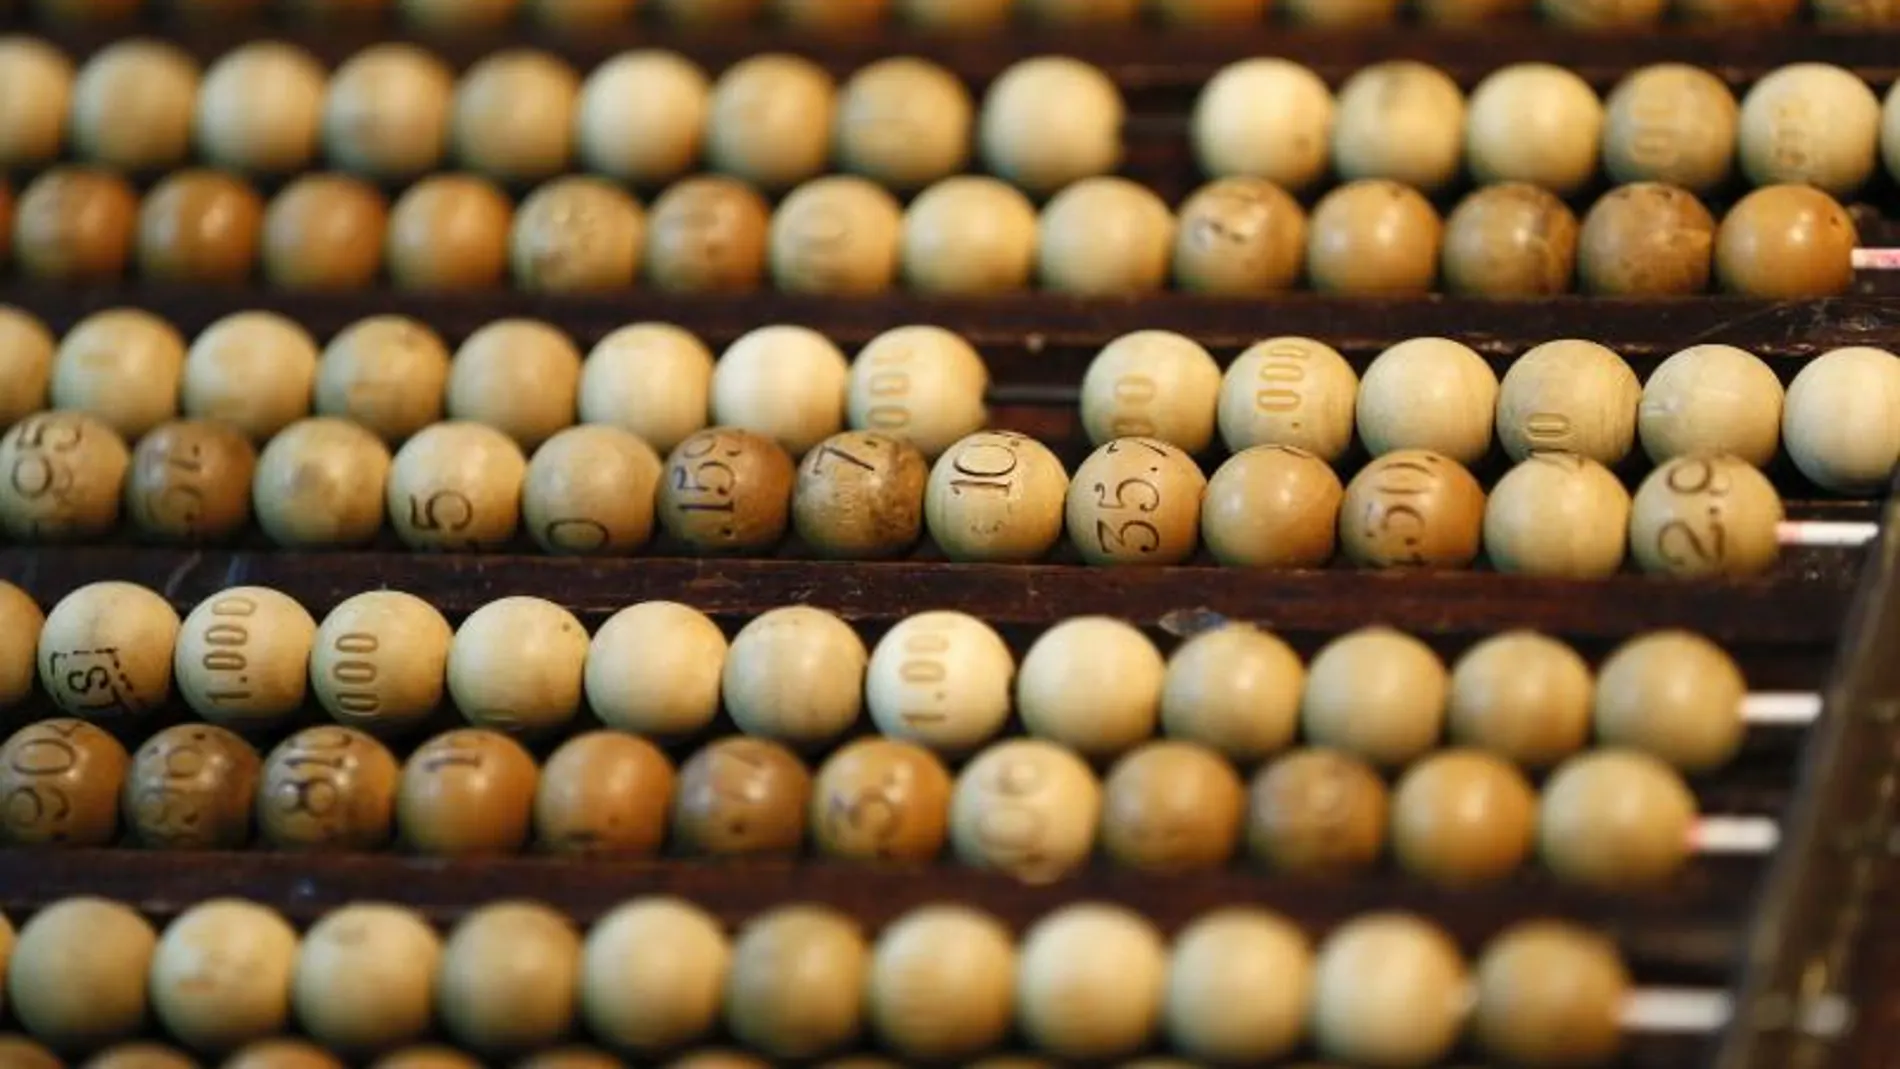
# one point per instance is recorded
(726, 490)
(1512, 239)
(1646, 239)
(741, 796)
(190, 482)
(191, 787)
(860, 496)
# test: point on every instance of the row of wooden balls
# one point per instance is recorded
(1089, 980)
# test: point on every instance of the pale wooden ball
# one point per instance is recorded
(327, 788)
(604, 793)
(1240, 236)
(519, 376)
(1027, 808)
(1559, 515)
(123, 366)
(260, 108)
(652, 974)
(707, 234)
(75, 225)
(466, 793)
(941, 680)
(1810, 123)
(200, 227)
(795, 675)
(1235, 689)
(26, 359)
(242, 657)
(1289, 391)
(513, 115)
(1147, 510)
(1341, 12)
(740, 796)
(589, 491)
(836, 235)
(221, 974)
(1090, 981)
(726, 490)
(641, 115)
(860, 496)
(282, 1054)
(1093, 684)
(796, 985)
(653, 380)
(769, 121)
(1671, 123)
(1373, 237)
(20, 621)
(1264, 118)
(325, 232)
(65, 474)
(1172, 806)
(105, 652)
(922, 384)
(1841, 422)
(942, 982)
(387, 113)
(1152, 384)
(386, 373)
(1522, 696)
(77, 977)
(996, 496)
(36, 87)
(1603, 14)
(1463, 817)
(1105, 236)
(1428, 393)
(252, 370)
(578, 234)
(969, 234)
(1786, 242)
(1550, 993)
(456, 487)
(1646, 239)
(1511, 239)
(653, 669)
(1049, 121)
(904, 123)
(957, 15)
(366, 977)
(1674, 695)
(516, 665)
(1375, 693)
(881, 800)
(1412, 509)
(1535, 123)
(64, 777)
(1569, 396)
(319, 483)
(449, 232)
(1715, 399)
(509, 980)
(1615, 820)
(132, 105)
(1388, 989)
(1272, 506)
(1239, 956)
(378, 660)
(1400, 120)
(787, 383)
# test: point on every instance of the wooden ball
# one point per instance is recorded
(860, 496)
(1463, 817)
(707, 234)
(1430, 394)
(191, 787)
(652, 974)
(75, 226)
(1674, 695)
(836, 235)
(653, 669)
(785, 382)
(942, 982)
(449, 232)
(513, 115)
(123, 366)
(1400, 120)
(221, 974)
(1103, 237)
(519, 376)
(996, 496)
(1644, 240)
(1272, 506)
(1375, 693)
(1049, 121)
(1412, 509)
(1264, 118)
(466, 793)
(282, 1054)
(325, 232)
(242, 655)
(510, 978)
(794, 675)
(1090, 981)
(366, 977)
(199, 227)
(640, 116)
(1136, 501)
(132, 106)
(969, 234)
(378, 661)
(741, 795)
(65, 472)
(1093, 684)
(387, 112)
(940, 680)
(577, 234)
(1235, 689)
(1785, 242)
(797, 981)
(26, 353)
(726, 490)
(769, 121)
(1240, 236)
(1172, 807)
(456, 487)
(1810, 124)
(1549, 993)
(1512, 239)
(903, 123)
(1559, 515)
(1388, 989)
(62, 779)
(425, 1057)
(77, 977)
(515, 666)
(36, 86)
(260, 108)
(589, 491)
(604, 792)
(881, 800)
(20, 624)
(924, 385)
(252, 370)
(1671, 123)
(105, 652)
(653, 380)
(1838, 422)
(1152, 384)
(1712, 398)
(1239, 956)
(1373, 237)
(1026, 808)
(1535, 123)
(1289, 391)
(1521, 696)
(327, 789)
(1615, 820)
(1317, 811)
(140, 1056)
(1569, 396)
(386, 373)
(319, 484)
